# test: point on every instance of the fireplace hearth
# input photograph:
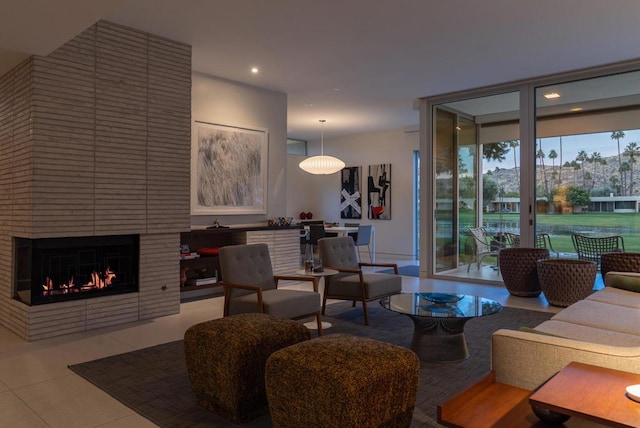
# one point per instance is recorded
(52, 270)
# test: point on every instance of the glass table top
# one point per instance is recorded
(440, 305)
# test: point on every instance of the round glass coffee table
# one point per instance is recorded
(439, 320)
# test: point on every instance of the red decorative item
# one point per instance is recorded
(212, 251)
(309, 215)
(303, 216)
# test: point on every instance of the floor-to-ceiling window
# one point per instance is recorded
(588, 153)
(563, 165)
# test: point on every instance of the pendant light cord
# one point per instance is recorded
(322, 121)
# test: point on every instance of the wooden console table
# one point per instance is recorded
(593, 393)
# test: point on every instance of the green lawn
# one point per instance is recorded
(625, 224)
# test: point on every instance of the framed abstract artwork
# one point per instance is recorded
(228, 169)
(379, 192)
(351, 192)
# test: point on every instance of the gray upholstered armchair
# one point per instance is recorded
(251, 286)
(352, 283)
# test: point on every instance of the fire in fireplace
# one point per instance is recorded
(58, 269)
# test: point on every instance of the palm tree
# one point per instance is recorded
(560, 171)
(596, 159)
(513, 144)
(576, 167)
(617, 135)
(582, 158)
(633, 152)
(553, 155)
(540, 155)
(615, 183)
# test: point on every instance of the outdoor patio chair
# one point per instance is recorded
(591, 248)
(543, 240)
(483, 246)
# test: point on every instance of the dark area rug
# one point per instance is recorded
(154, 381)
(405, 270)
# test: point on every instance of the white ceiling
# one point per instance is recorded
(356, 63)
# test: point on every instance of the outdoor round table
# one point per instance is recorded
(439, 320)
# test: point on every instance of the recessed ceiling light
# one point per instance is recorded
(255, 70)
(308, 105)
(551, 95)
(576, 109)
(337, 89)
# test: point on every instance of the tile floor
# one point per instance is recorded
(38, 390)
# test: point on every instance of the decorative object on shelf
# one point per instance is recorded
(303, 216)
(379, 191)
(309, 215)
(280, 222)
(350, 194)
(321, 165)
(225, 159)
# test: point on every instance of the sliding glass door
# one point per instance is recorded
(477, 176)
(553, 156)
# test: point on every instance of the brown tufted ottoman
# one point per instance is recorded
(226, 359)
(341, 380)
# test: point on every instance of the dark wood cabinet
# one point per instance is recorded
(205, 267)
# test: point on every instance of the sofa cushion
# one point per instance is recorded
(588, 334)
(601, 315)
(624, 280)
(616, 296)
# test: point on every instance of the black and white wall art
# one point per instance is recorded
(228, 169)
(351, 192)
(379, 192)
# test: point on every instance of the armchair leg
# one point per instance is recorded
(319, 321)
(366, 313)
(353, 304)
(324, 303)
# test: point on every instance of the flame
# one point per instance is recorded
(98, 280)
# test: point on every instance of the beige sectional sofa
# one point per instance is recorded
(603, 330)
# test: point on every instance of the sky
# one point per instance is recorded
(571, 145)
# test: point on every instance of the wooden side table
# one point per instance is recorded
(594, 393)
(488, 403)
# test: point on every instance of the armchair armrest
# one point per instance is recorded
(391, 265)
(348, 270)
(227, 294)
(312, 279)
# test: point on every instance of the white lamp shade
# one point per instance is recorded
(321, 165)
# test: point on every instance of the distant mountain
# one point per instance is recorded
(564, 176)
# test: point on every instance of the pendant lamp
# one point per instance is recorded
(321, 165)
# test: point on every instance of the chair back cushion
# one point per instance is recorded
(364, 235)
(316, 231)
(247, 265)
(338, 252)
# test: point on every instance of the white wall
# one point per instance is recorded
(395, 238)
(225, 102)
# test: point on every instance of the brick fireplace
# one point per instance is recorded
(95, 142)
